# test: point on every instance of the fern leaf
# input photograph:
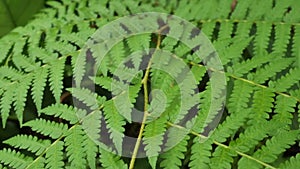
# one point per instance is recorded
(30, 143)
(40, 163)
(86, 96)
(20, 98)
(242, 68)
(4, 48)
(293, 163)
(75, 150)
(56, 76)
(5, 104)
(111, 161)
(172, 158)
(48, 128)
(296, 48)
(91, 125)
(273, 147)
(54, 155)
(39, 83)
(251, 136)
(23, 62)
(91, 150)
(115, 123)
(92, 131)
(240, 11)
(262, 104)
(282, 35)
(78, 64)
(262, 37)
(258, 10)
(222, 158)
(63, 111)
(153, 136)
(10, 73)
(14, 159)
(261, 75)
(284, 83)
(201, 153)
(284, 108)
(139, 42)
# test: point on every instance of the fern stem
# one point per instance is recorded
(146, 101)
(224, 146)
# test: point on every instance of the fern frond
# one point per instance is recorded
(284, 108)
(14, 159)
(54, 155)
(75, 148)
(260, 76)
(294, 162)
(153, 136)
(115, 123)
(287, 81)
(39, 83)
(20, 98)
(201, 153)
(56, 77)
(30, 143)
(282, 36)
(268, 153)
(90, 99)
(296, 48)
(64, 111)
(262, 104)
(48, 128)
(5, 104)
(222, 158)
(261, 41)
(111, 161)
(172, 158)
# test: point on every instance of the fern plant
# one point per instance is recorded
(52, 60)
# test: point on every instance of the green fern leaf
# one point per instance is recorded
(222, 158)
(172, 158)
(115, 123)
(296, 48)
(5, 104)
(56, 76)
(284, 83)
(14, 159)
(201, 153)
(39, 83)
(293, 163)
(87, 97)
(284, 108)
(111, 161)
(268, 153)
(75, 150)
(262, 104)
(54, 155)
(282, 35)
(153, 136)
(30, 143)
(64, 111)
(20, 98)
(262, 36)
(48, 128)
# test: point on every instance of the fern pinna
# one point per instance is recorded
(258, 44)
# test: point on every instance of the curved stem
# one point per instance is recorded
(146, 101)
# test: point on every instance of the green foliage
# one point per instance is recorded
(257, 43)
(16, 13)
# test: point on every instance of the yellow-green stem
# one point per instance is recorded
(146, 100)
